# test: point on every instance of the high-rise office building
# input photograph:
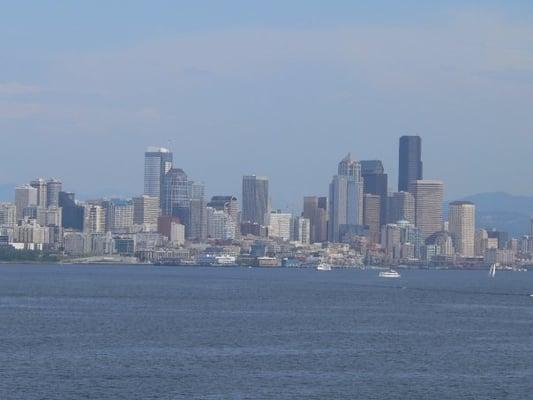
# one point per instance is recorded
(391, 240)
(371, 216)
(157, 162)
(255, 200)
(302, 230)
(53, 187)
(280, 225)
(315, 210)
(429, 196)
(321, 229)
(25, 196)
(462, 226)
(176, 193)
(94, 219)
(51, 216)
(145, 210)
(410, 162)
(72, 212)
(376, 182)
(480, 242)
(345, 199)
(119, 215)
(229, 206)
(8, 215)
(401, 207)
(220, 224)
(40, 185)
(197, 213)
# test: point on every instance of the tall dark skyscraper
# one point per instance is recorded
(376, 182)
(410, 164)
(72, 213)
(255, 201)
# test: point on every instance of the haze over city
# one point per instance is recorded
(282, 90)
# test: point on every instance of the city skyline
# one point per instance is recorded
(317, 84)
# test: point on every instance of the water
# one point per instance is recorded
(130, 332)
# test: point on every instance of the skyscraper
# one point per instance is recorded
(462, 225)
(229, 206)
(53, 187)
(197, 212)
(145, 210)
(345, 198)
(72, 212)
(119, 215)
(321, 228)
(157, 162)
(310, 211)
(175, 194)
(280, 225)
(376, 182)
(428, 196)
(94, 219)
(371, 215)
(410, 162)
(401, 207)
(255, 200)
(25, 196)
(40, 185)
(8, 215)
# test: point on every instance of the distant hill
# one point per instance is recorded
(503, 211)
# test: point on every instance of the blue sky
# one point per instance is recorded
(277, 88)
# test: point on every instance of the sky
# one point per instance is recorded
(277, 88)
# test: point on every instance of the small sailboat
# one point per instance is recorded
(492, 270)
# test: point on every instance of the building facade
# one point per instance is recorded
(429, 197)
(255, 200)
(410, 162)
(462, 227)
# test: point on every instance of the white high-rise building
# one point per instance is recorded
(280, 225)
(25, 196)
(462, 227)
(40, 185)
(94, 219)
(345, 198)
(8, 214)
(177, 233)
(429, 196)
(145, 210)
(220, 224)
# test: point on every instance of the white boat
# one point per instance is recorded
(492, 270)
(323, 267)
(389, 274)
(225, 259)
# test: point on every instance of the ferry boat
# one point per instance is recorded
(389, 274)
(226, 260)
(323, 267)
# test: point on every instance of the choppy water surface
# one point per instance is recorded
(130, 332)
